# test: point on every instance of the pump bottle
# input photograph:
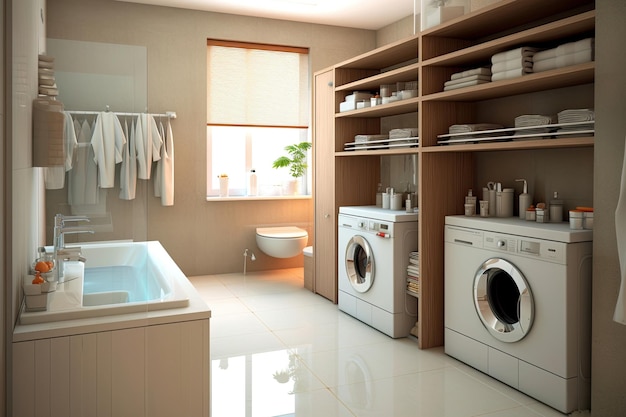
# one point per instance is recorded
(252, 183)
(525, 200)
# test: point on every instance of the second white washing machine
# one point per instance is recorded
(518, 305)
(374, 246)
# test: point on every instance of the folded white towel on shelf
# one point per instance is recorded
(473, 127)
(464, 84)
(524, 51)
(572, 47)
(547, 54)
(512, 73)
(576, 115)
(470, 72)
(468, 78)
(545, 65)
(533, 120)
(399, 133)
(579, 57)
(509, 64)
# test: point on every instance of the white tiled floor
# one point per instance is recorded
(280, 350)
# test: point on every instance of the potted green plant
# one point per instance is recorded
(295, 161)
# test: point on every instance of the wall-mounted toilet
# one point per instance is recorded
(281, 242)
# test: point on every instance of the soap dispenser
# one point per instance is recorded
(525, 200)
(556, 209)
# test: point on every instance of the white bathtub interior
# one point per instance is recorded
(116, 278)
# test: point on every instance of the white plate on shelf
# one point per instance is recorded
(509, 133)
(382, 144)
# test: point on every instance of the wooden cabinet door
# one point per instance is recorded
(325, 247)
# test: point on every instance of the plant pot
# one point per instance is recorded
(292, 187)
(223, 186)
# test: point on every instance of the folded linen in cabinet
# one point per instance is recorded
(473, 127)
(526, 120)
(367, 138)
(524, 51)
(576, 115)
(509, 64)
(513, 73)
(545, 65)
(579, 57)
(471, 72)
(408, 132)
(465, 84)
(573, 47)
(468, 78)
(547, 54)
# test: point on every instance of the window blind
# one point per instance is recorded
(257, 86)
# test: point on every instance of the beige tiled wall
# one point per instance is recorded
(202, 237)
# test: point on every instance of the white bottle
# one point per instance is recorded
(252, 183)
(525, 200)
(556, 209)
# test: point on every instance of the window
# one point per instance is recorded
(257, 103)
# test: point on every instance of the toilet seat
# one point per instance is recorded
(286, 232)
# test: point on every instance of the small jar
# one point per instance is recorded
(530, 214)
(576, 219)
(588, 220)
(541, 215)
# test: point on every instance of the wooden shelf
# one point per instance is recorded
(583, 23)
(506, 15)
(514, 145)
(397, 151)
(406, 73)
(386, 56)
(444, 172)
(397, 107)
(541, 81)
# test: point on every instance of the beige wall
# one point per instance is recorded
(395, 31)
(202, 237)
(5, 288)
(192, 224)
(608, 338)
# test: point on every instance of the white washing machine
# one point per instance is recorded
(518, 305)
(374, 246)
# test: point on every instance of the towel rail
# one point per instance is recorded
(169, 114)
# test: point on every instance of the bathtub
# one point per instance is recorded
(131, 338)
(116, 278)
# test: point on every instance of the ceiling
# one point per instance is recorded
(362, 14)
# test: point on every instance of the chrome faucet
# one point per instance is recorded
(61, 253)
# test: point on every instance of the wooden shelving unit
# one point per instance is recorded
(446, 172)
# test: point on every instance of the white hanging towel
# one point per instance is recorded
(128, 171)
(148, 145)
(620, 230)
(108, 142)
(54, 177)
(83, 178)
(164, 181)
(157, 168)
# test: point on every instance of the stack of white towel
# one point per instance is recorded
(529, 120)
(513, 63)
(577, 116)
(571, 53)
(467, 78)
(476, 127)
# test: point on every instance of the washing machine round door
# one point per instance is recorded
(359, 264)
(503, 300)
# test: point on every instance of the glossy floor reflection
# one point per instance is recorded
(278, 350)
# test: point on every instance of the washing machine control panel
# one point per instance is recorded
(534, 248)
(501, 243)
